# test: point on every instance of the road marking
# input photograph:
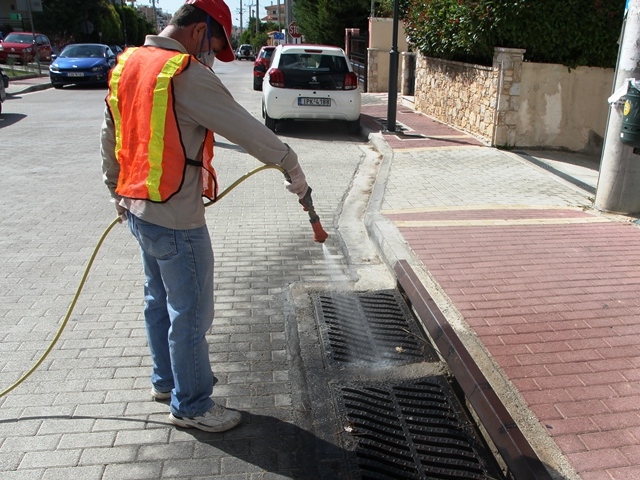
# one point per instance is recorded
(482, 207)
(497, 222)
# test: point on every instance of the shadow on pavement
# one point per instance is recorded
(268, 443)
(278, 447)
(8, 119)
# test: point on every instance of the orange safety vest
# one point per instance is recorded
(149, 147)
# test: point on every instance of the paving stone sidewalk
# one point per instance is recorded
(541, 288)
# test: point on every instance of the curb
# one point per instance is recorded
(16, 88)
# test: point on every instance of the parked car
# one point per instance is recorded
(21, 47)
(3, 93)
(245, 51)
(116, 49)
(5, 79)
(82, 63)
(261, 64)
(311, 82)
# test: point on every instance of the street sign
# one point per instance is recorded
(293, 30)
(278, 36)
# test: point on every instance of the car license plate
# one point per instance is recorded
(314, 102)
(76, 74)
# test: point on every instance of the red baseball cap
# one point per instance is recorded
(219, 11)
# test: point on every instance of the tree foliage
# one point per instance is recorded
(259, 39)
(325, 21)
(571, 32)
(68, 21)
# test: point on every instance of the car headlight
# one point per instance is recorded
(53, 68)
(1, 48)
(97, 68)
(28, 49)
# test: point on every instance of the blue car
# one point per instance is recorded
(82, 63)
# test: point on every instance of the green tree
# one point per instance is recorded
(325, 21)
(257, 40)
(68, 21)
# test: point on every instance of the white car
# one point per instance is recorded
(310, 82)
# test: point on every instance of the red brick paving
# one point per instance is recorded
(436, 134)
(557, 307)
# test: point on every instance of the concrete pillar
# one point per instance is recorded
(617, 189)
(507, 63)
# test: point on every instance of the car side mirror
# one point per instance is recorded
(53, 56)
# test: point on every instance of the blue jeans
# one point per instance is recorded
(178, 293)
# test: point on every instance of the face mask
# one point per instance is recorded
(207, 58)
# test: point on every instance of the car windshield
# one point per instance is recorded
(313, 62)
(267, 53)
(83, 51)
(19, 38)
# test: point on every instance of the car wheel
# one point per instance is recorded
(257, 85)
(354, 127)
(269, 122)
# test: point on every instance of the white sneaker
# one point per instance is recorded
(218, 419)
(159, 396)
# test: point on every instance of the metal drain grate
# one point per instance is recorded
(371, 328)
(412, 431)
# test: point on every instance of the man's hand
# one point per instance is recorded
(122, 212)
(298, 183)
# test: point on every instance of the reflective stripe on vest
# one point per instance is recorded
(148, 144)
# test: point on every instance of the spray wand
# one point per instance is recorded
(319, 235)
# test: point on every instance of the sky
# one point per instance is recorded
(170, 6)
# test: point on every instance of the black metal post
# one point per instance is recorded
(393, 73)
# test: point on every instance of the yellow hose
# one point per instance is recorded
(90, 264)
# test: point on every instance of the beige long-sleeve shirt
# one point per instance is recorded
(201, 102)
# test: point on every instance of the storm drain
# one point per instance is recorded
(412, 430)
(370, 328)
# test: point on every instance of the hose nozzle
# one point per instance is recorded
(319, 235)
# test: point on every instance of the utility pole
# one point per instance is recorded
(257, 17)
(279, 27)
(620, 164)
(155, 14)
(240, 22)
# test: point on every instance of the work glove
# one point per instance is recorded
(296, 183)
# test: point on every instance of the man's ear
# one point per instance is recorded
(197, 31)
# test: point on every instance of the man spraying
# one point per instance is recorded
(163, 105)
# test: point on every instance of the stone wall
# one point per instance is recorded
(477, 99)
(517, 104)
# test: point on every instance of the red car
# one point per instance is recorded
(21, 47)
(261, 65)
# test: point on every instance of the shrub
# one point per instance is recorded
(571, 32)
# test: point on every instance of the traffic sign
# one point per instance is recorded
(293, 30)
(278, 36)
